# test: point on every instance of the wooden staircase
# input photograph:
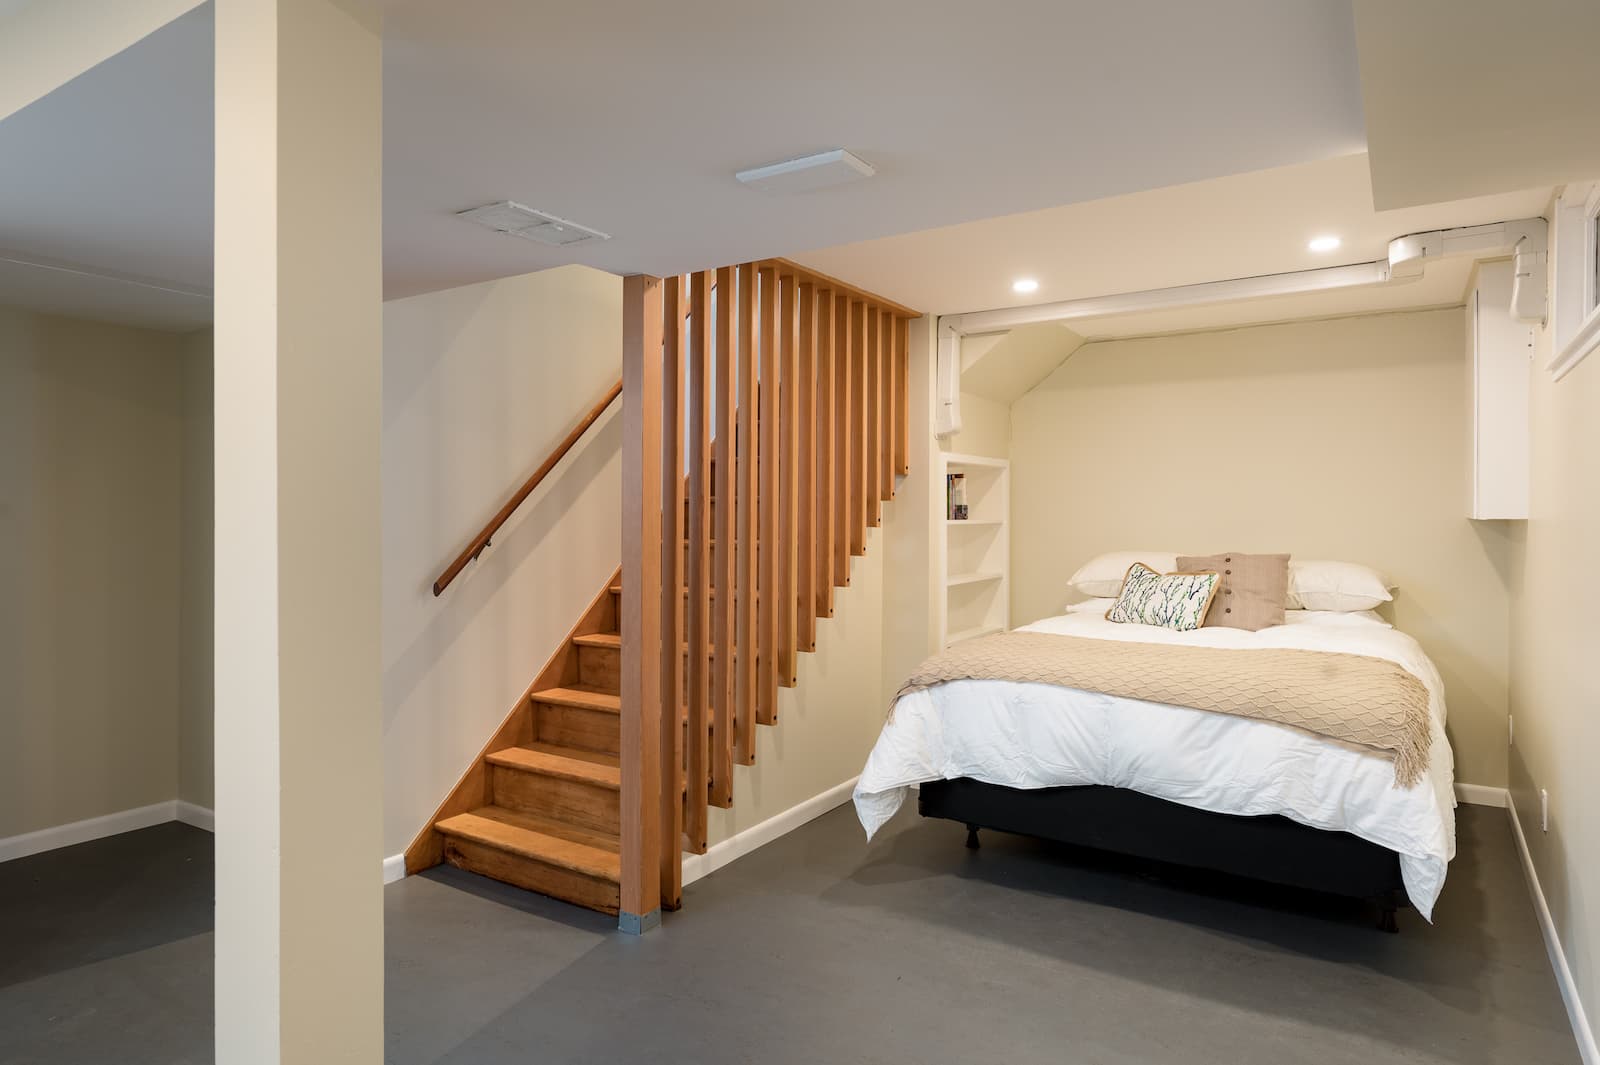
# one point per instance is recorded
(601, 775)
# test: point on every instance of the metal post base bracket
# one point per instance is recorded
(637, 924)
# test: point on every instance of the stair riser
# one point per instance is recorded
(571, 726)
(564, 800)
(600, 667)
(533, 875)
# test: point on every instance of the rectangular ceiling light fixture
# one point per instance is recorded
(820, 171)
(511, 217)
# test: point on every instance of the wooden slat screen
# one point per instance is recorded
(764, 423)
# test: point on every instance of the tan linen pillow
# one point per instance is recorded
(1253, 591)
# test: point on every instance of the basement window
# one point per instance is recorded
(1575, 308)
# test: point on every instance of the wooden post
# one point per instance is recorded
(902, 415)
(874, 473)
(674, 518)
(724, 506)
(843, 436)
(697, 568)
(744, 750)
(858, 428)
(767, 504)
(788, 481)
(646, 606)
(825, 452)
(806, 500)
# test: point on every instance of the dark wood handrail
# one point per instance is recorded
(481, 541)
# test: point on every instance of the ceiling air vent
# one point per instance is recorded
(511, 217)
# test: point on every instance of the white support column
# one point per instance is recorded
(299, 923)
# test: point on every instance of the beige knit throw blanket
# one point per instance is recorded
(1371, 702)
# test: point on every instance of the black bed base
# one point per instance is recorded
(1272, 848)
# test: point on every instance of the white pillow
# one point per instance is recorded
(1342, 586)
(1101, 576)
(1092, 606)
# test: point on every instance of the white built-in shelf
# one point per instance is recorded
(975, 566)
(972, 578)
(951, 459)
(973, 633)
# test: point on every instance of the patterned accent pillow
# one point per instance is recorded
(1172, 600)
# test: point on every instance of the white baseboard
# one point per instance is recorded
(1587, 1048)
(198, 816)
(48, 839)
(696, 866)
(1481, 795)
(394, 868)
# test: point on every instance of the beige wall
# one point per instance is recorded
(479, 383)
(195, 608)
(912, 584)
(91, 435)
(1555, 696)
(1327, 439)
(828, 722)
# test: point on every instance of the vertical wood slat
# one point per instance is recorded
(874, 420)
(843, 431)
(767, 505)
(806, 508)
(723, 558)
(744, 704)
(698, 565)
(674, 521)
(789, 481)
(858, 428)
(902, 413)
(825, 452)
(886, 434)
(649, 855)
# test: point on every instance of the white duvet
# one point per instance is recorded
(1040, 735)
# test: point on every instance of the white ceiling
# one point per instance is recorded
(111, 174)
(632, 118)
(1237, 226)
(1465, 97)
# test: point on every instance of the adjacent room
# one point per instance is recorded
(929, 533)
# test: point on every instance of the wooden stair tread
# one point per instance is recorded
(565, 846)
(599, 639)
(566, 763)
(583, 697)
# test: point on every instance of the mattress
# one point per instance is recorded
(1025, 735)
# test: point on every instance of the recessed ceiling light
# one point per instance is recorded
(1022, 286)
(1323, 243)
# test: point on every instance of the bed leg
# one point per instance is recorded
(972, 837)
(1386, 914)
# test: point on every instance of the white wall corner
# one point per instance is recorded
(1584, 1034)
(696, 866)
(1481, 795)
(193, 814)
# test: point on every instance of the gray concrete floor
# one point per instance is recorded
(820, 948)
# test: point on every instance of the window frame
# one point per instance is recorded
(1575, 304)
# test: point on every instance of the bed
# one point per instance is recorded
(1196, 787)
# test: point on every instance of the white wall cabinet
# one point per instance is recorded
(976, 550)
(1499, 357)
